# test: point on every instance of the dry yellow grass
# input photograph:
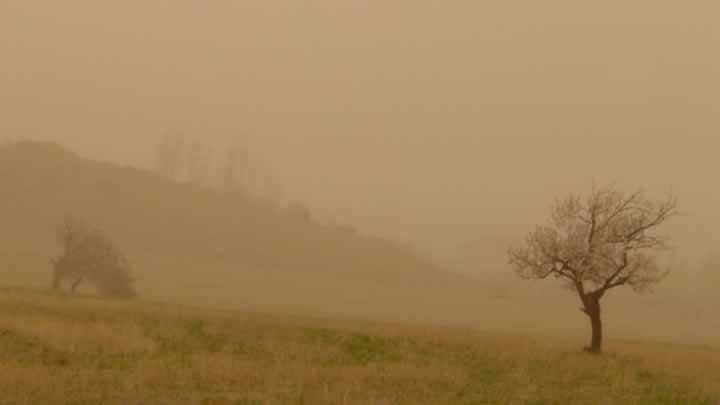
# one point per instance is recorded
(64, 350)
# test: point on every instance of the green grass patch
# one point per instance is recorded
(224, 401)
(190, 336)
(115, 361)
(657, 389)
(17, 348)
(361, 348)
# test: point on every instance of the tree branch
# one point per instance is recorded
(611, 281)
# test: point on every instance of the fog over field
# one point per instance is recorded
(448, 126)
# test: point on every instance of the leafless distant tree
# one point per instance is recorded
(234, 167)
(197, 161)
(605, 240)
(170, 153)
(88, 255)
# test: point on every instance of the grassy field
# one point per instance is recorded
(80, 350)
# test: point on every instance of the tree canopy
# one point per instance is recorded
(89, 255)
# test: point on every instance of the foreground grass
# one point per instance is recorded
(63, 350)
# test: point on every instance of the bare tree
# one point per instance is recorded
(170, 153)
(234, 167)
(197, 162)
(89, 255)
(595, 243)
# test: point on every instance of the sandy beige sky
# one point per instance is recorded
(430, 121)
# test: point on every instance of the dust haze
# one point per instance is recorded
(450, 128)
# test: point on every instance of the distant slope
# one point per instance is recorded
(191, 243)
(145, 212)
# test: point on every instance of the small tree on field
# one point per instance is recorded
(596, 243)
(90, 256)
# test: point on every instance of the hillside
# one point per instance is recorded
(146, 212)
(90, 351)
(192, 244)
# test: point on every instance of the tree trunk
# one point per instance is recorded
(596, 342)
(592, 309)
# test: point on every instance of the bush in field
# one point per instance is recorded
(88, 255)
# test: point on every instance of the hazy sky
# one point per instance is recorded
(434, 121)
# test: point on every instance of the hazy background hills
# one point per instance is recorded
(192, 241)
